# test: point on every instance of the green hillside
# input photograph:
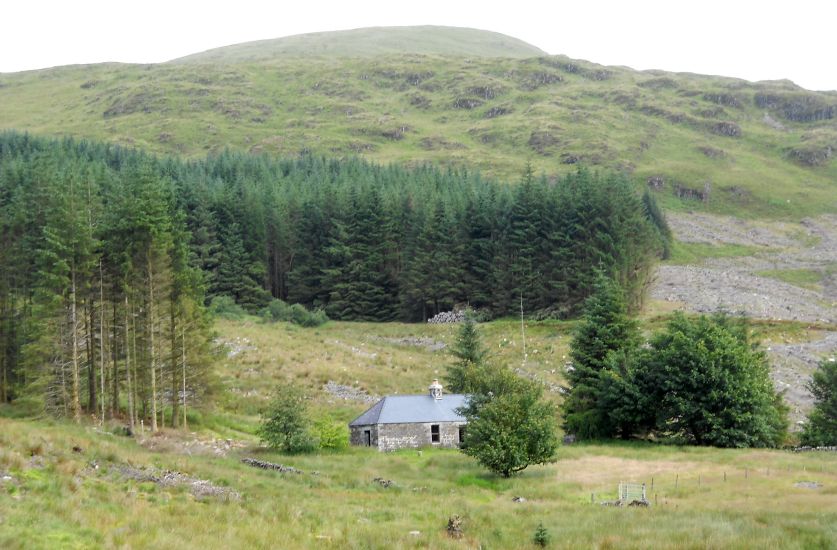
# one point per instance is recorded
(375, 41)
(702, 142)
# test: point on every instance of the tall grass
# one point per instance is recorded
(61, 501)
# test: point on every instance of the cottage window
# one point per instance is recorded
(434, 433)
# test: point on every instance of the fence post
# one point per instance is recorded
(676, 481)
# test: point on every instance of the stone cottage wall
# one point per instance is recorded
(413, 435)
(356, 436)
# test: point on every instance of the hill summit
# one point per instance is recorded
(374, 41)
(489, 102)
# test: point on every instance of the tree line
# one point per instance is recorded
(101, 307)
(109, 255)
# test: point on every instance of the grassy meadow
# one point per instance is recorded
(54, 496)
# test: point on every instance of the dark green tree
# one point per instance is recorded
(470, 356)
(821, 428)
(709, 385)
(541, 536)
(602, 343)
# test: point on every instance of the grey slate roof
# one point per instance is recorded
(406, 409)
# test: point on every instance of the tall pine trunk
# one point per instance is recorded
(102, 333)
(133, 370)
(129, 388)
(183, 369)
(4, 344)
(91, 358)
(75, 402)
(174, 370)
(114, 354)
(151, 350)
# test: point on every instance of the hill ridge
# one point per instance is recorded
(373, 41)
(706, 143)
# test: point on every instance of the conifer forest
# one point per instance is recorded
(110, 257)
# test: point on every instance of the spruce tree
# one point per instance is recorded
(470, 355)
(604, 330)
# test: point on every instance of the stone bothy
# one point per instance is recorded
(405, 421)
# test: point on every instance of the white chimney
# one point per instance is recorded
(436, 389)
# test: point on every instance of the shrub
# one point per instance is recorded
(821, 429)
(542, 536)
(285, 425)
(330, 434)
(277, 310)
(226, 308)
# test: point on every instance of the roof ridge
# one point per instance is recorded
(383, 406)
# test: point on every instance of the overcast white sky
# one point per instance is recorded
(755, 40)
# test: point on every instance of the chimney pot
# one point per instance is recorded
(436, 389)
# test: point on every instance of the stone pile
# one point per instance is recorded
(255, 463)
(200, 488)
(806, 449)
(427, 343)
(348, 393)
(385, 483)
(808, 484)
(455, 316)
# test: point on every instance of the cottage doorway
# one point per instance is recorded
(367, 437)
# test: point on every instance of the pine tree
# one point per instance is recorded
(605, 330)
(463, 375)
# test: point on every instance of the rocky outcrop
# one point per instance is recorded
(798, 107)
(728, 129)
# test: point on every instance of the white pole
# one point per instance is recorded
(183, 363)
(522, 329)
